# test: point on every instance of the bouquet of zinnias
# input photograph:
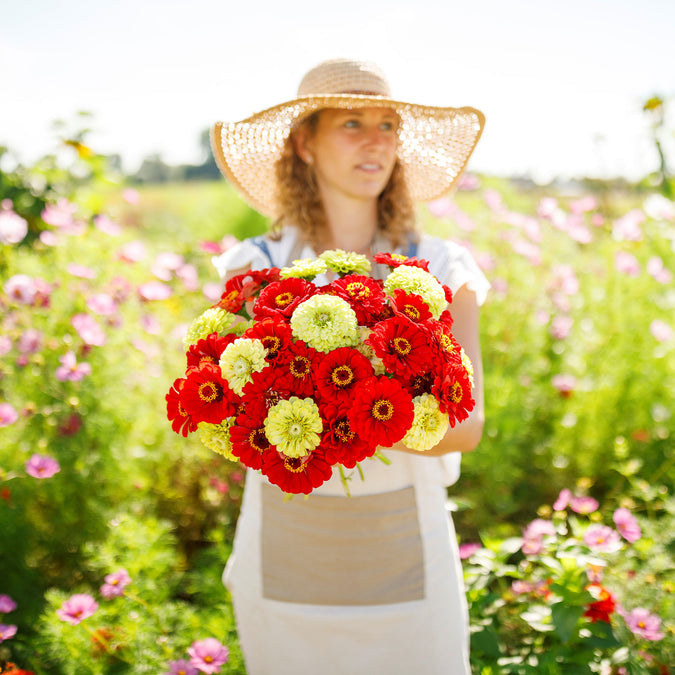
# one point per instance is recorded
(322, 375)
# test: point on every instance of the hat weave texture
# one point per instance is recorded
(434, 143)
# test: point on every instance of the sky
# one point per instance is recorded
(561, 84)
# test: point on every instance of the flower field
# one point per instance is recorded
(115, 530)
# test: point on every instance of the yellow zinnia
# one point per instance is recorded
(294, 426)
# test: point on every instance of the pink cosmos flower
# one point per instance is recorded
(60, 214)
(468, 181)
(208, 655)
(657, 270)
(89, 330)
(661, 331)
(8, 414)
(493, 200)
(565, 279)
(106, 225)
(577, 230)
(189, 276)
(212, 291)
(6, 344)
(528, 250)
(77, 608)
(565, 384)
(131, 196)
(133, 252)
(547, 207)
(583, 505)
(70, 370)
(520, 587)
(561, 326)
(643, 624)
(6, 632)
(151, 324)
(602, 539)
(102, 304)
(181, 667)
(115, 584)
(21, 288)
(468, 549)
(154, 290)
(81, 271)
(626, 263)
(42, 466)
(627, 525)
(584, 204)
(6, 604)
(659, 208)
(563, 500)
(13, 228)
(627, 228)
(30, 341)
(533, 536)
(166, 264)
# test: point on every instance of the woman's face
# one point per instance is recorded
(353, 151)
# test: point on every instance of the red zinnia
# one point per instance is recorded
(402, 345)
(452, 389)
(381, 411)
(208, 349)
(280, 298)
(248, 436)
(365, 296)
(205, 395)
(268, 387)
(275, 336)
(296, 474)
(339, 373)
(181, 422)
(396, 260)
(604, 605)
(339, 442)
(301, 365)
(243, 287)
(410, 305)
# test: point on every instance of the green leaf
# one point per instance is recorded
(486, 643)
(565, 620)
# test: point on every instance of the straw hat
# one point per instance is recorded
(434, 143)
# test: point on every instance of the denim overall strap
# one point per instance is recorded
(262, 245)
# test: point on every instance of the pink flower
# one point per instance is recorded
(21, 288)
(577, 230)
(563, 500)
(81, 271)
(6, 604)
(627, 525)
(60, 214)
(107, 226)
(6, 344)
(547, 207)
(181, 667)
(154, 290)
(467, 550)
(584, 204)
(165, 264)
(658, 270)
(42, 466)
(565, 279)
(468, 181)
(583, 505)
(602, 539)
(8, 414)
(70, 370)
(533, 536)
(212, 291)
(189, 276)
(661, 331)
(6, 632)
(519, 587)
(13, 228)
(30, 341)
(115, 584)
(89, 330)
(131, 196)
(627, 263)
(208, 655)
(627, 228)
(565, 384)
(643, 624)
(493, 200)
(659, 208)
(133, 252)
(561, 326)
(77, 608)
(102, 304)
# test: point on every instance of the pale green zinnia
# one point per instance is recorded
(429, 424)
(466, 362)
(216, 437)
(375, 361)
(325, 322)
(307, 268)
(240, 360)
(294, 426)
(416, 280)
(343, 263)
(213, 320)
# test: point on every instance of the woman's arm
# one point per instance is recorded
(464, 436)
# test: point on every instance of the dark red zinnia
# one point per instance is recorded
(181, 422)
(243, 287)
(268, 386)
(410, 305)
(339, 442)
(452, 389)
(301, 364)
(365, 296)
(205, 395)
(247, 436)
(339, 373)
(276, 336)
(381, 411)
(296, 474)
(394, 260)
(208, 349)
(280, 298)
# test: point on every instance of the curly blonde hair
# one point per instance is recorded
(300, 203)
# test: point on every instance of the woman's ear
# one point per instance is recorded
(301, 145)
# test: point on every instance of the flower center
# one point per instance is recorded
(399, 256)
(456, 392)
(342, 376)
(343, 431)
(258, 441)
(230, 296)
(401, 346)
(208, 391)
(181, 411)
(358, 290)
(283, 299)
(295, 429)
(294, 464)
(300, 367)
(208, 659)
(412, 312)
(383, 410)
(446, 344)
(272, 344)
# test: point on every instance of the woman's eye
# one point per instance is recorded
(352, 124)
(387, 126)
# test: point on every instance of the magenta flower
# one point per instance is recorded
(77, 608)
(6, 604)
(30, 341)
(115, 584)
(563, 500)
(13, 228)
(627, 525)
(102, 304)
(154, 290)
(42, 466)
(89, 330)
(643, 624)
(181, 667)
(661, 331)
(533, 536)
(627, 264)
(602, 539)
(583, 505)
(468, 549)
(8, 414)
(70, 370)
(208, 655)
(6, 632)
(21, 288)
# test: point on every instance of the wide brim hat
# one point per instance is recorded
(434, 143)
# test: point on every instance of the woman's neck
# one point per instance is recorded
(351, 226)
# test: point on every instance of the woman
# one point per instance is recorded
(369, 583)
